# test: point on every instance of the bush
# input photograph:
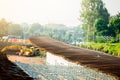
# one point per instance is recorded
(112, 49)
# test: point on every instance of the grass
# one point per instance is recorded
(112, 49)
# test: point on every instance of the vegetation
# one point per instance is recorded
(98, 24)
(57, 31)
(107, 32)
(8, 28)
(92, 10)
(102, 30)
(115, 26)
(100, 27)
(112, 49)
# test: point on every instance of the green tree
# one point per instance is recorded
(92, 10)
(101, 27)
(115, 26)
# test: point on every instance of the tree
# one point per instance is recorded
(114, 25)
(92, 10)
(100, 27)
(15, 29)
(3, 27)
(35, 27)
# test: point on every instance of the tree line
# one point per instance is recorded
(57, 31)
(9, 28)
(97, 22)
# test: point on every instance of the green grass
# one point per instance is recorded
(112, 49)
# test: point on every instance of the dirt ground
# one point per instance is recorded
(94, 60)
(13, 57)
(8, 70)
(26, 60)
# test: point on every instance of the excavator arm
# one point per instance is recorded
(18, 47)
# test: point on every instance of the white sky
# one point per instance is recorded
(47, 11)
(113, 6)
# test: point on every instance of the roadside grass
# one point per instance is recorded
(109, 48)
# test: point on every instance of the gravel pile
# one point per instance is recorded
(54, 72)
(48, 72)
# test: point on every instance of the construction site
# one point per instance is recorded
(55, 60)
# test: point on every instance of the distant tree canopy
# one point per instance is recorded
(35, 29)
(15, 29)
(3, 27)
(35, 26)
(8, 28)
(56, 31)
(92, 10)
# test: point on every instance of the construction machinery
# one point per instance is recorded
(23, 50)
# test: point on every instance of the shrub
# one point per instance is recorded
(112, 49)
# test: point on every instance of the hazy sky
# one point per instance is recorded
(47, 11)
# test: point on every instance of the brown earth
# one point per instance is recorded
(13, 58)
(8, 70)
(92, 59)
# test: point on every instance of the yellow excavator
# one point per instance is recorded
(23, 50)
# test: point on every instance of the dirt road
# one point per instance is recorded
(26, 60)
